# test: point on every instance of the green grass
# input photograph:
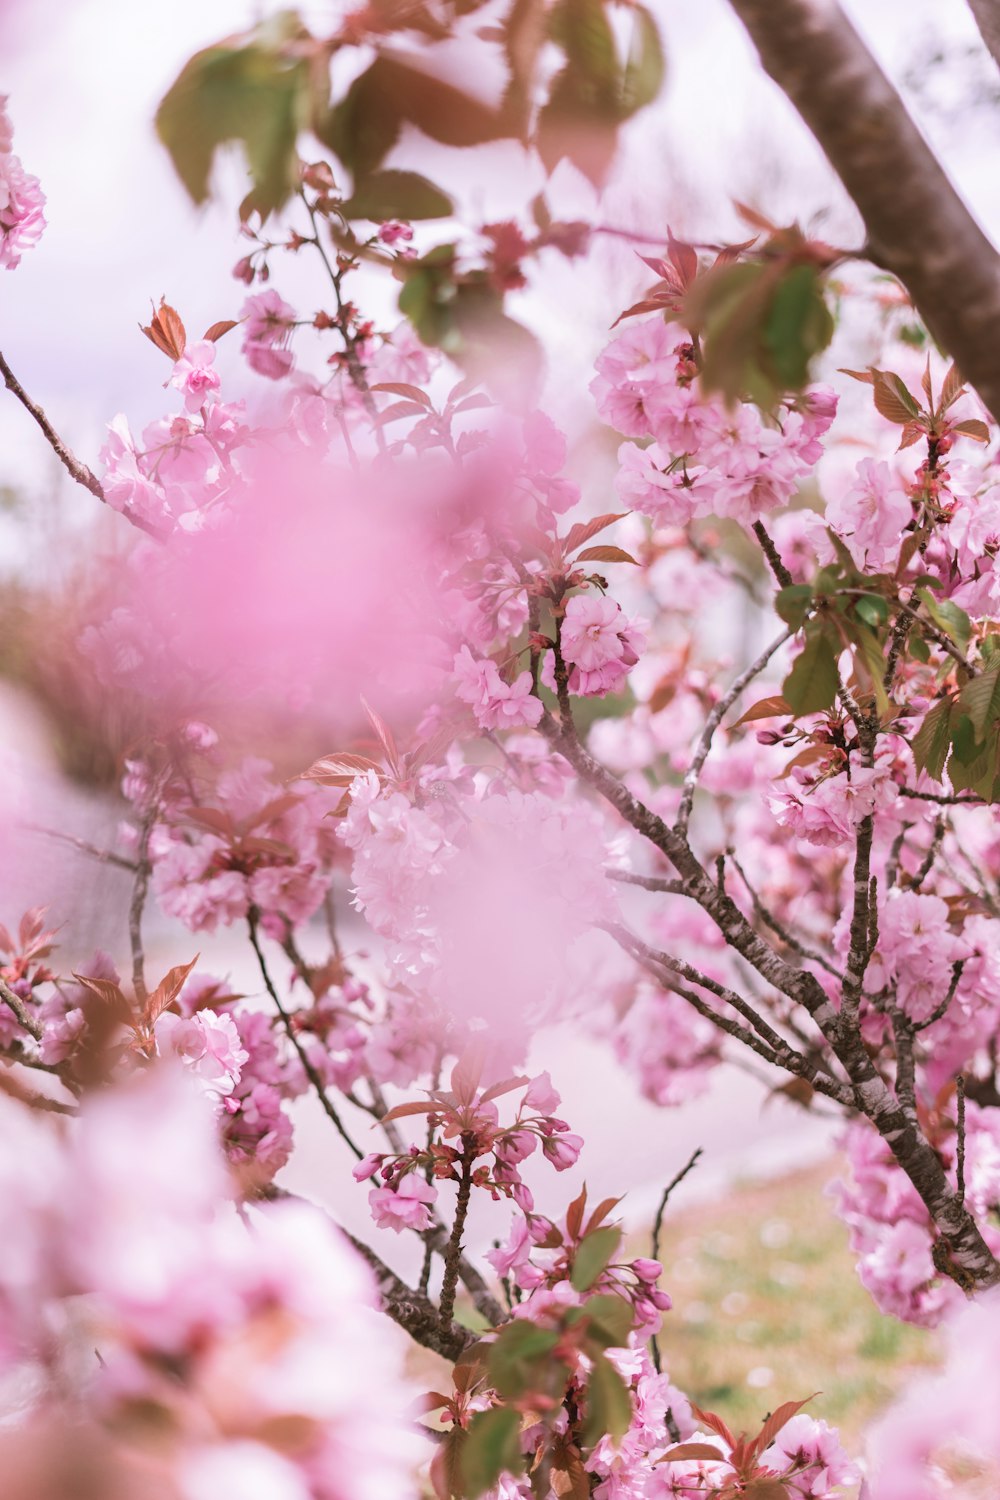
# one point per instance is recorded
(768, 1308)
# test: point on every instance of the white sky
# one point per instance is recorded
(85, 76)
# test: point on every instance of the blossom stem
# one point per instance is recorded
(66, 457)
(453, 1251)
(293, 1037)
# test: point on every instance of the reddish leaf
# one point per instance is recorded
(401, 1111)
(951, 389)
(865, 376)
(411, 392)
(574, 1214)
(692, 1451)
(220, 329)
(399, 409)
(339, 769)
(167, 990)
(6, 941)
(166, 331)
(269, 812)
(754, 218)
(584, 530)
(892, 398)
(468, 1070)
(473, 403)
(108, 993)
(973, 428)
(777, 1420)
(385, 736)
(766, 708)
(606, 1206)
(715, 1423)
(684, 258)
(31, 925)
(605, 554)
(505, 1087)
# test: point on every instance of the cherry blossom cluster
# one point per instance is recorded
(468, 1115)
(704, 458)
(21, 199)
(216, 1335)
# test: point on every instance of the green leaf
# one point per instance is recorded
(980, 699)
(873, 609)
(871, 664)
(363, 127)
(592, 1256)
(811, 685)
(948, 617)
(491, 1449)
(932, 741)
(973, 766)
(798, 326)
(792, 603)
(366, 123)
(397, 195)
(518, 1346)
(609, 1321)
(609, 1405)
(257, 94)
(646, 67)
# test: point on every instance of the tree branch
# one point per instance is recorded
(293, 1037)
(918, 227)
(69, 461)
(987, 15)
(412, 1311)
(712, 723)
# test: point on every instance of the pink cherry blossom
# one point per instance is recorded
(872, 516)
(405, 1207)
(496, 703)
(208, 1044)
(194, 376)
(395, 232)
(21, 200)
(599, 644)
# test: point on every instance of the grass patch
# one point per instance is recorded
(768, 1308)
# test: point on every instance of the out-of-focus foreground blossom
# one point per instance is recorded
(209, 1351)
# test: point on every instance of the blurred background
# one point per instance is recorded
(84, 80)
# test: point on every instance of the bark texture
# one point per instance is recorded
(918, 227)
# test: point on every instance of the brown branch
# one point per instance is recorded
(25, 1019)
(987, 16)
(307, 1067)
(68, 459)
(412, 1311)
(436, 1237)
(453, 1250)
(917, 225)
(770, 551)
(650, 882)
(675, 1181)
(968, 1253)
(712, 723)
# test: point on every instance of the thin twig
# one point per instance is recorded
(657, 1227)
(940, 1009)
(66, 457)
(14, 1002)
(770, 551)
(103, 856)
(303, 1056)
(712, 723)
(960, 1143)
(660, 883)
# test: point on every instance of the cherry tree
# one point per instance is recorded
(536, 783)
